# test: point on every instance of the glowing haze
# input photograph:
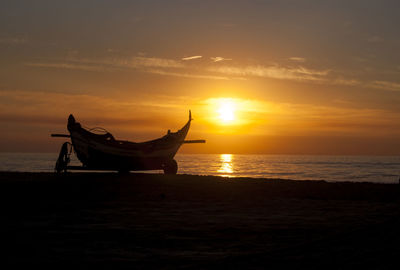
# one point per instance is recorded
(281, 77)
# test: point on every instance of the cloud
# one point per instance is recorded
(49, 108)
(385, 85)
(276, 72)
(171, 67)
(219, 59)
(156, 62)
(109, 64)
(39, 119)
(160, 66)
(71, 66)
(310, 118)
(192, 57)
(132, 62)
(188, 75)
(297, 59)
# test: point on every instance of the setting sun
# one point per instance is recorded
(232, 114)
(226, 111)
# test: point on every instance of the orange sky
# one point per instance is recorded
(303, 78)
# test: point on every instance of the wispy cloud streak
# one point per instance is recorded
(187, 75)
(297, 59)
(109, 64)
(219, 59)
(177, 68)
(276, 72)
(156, 62)
(385, 85)
(192, 57)
(160, 66)
(72, 66)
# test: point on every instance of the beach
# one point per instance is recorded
(144, 221)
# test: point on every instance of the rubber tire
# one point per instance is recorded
(63, 159)
(170, 167)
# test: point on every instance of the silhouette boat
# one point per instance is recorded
(104, 152)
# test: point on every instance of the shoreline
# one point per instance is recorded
(185, 221)
(153, 173)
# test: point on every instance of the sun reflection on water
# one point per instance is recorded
(226, 167)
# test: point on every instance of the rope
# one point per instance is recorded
(97, 130)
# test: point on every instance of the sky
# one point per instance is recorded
(261, 77)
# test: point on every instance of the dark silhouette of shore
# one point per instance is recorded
(163, 221)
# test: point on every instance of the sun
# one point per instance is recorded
(226, 111)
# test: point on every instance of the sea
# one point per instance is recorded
(376, 169)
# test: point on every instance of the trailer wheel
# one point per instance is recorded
(170, 167)
(63, 158)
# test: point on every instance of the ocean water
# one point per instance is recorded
(378, 169)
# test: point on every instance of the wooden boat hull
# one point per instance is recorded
(103, 152)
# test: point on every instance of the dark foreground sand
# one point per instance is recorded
(157, 221)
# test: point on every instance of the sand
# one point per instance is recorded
(143, 221)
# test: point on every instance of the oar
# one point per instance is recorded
(194, 141)
(61, 135)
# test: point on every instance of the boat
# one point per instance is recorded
(101, 151)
